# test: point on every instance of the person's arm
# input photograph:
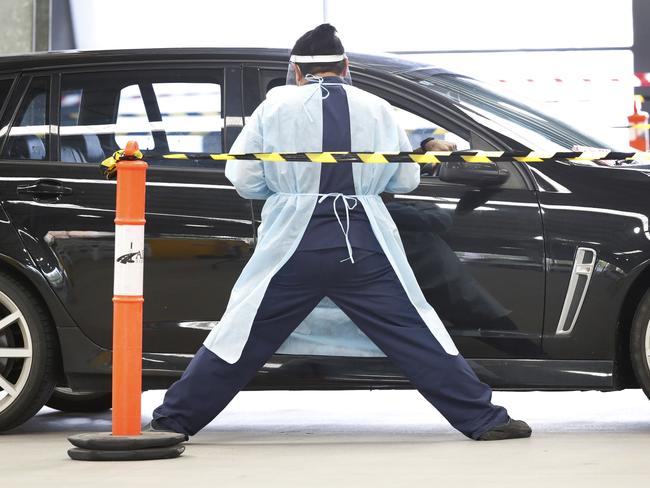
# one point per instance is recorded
(431, 144)
(248, 176)
(407, 176)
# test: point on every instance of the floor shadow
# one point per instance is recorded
(54, 421)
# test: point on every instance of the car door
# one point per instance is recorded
(198, 233)
(478, 255)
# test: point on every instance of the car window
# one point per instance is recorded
(172, 111)
(29, 135)
(418, 129)
(497, 111)
(132, 122)
(191, 116)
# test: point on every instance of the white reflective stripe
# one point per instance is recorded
(74, 130)
(124, 129)
(29, 130)
(113, 182)
(323, 58)
(129, 260)
(233, 121)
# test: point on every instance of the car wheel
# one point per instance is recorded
(66, 400)
(640, 343)
(28, 353)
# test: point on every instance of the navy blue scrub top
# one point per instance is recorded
(323, 230)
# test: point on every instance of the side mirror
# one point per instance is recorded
(480, 175)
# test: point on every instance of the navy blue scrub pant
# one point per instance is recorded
(370, 293)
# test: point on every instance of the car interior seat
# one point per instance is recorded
(84, 148)
(25, 147)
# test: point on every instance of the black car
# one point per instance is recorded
(543, 279)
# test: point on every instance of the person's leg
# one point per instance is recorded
(209, 383)
(370, 293)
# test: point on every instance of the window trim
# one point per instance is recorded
(12, 85)
(54, 112)
(27, 81)
(7, 119)
(7, 103)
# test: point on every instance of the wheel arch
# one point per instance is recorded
(623, 374)
(13, 269)
(76, 352)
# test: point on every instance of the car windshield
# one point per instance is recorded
(517, 120)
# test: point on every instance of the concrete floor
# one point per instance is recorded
(355, 439)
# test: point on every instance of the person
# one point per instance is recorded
(431, 144)
(325, 232)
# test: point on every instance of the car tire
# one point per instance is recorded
(28, 354)
(640, 343)
(66, 400)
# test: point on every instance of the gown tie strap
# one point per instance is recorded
(325, 93)
(346, 204)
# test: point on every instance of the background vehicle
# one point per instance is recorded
(543, 280)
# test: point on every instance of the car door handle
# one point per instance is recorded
(44, 188)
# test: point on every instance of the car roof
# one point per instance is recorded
(58, 59)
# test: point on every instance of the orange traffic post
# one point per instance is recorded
(127, 441)
(639, 138)
(127, 293)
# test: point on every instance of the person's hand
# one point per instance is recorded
(438, 145)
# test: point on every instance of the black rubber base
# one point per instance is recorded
(105, 441)
(103, 446)
(127, 455)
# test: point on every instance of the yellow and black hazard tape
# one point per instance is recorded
(108, 166)
(421, 158)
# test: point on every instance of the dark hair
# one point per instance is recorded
(319, 41)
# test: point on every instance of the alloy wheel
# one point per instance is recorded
(16, 351)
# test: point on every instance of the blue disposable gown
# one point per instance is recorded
(290, 120)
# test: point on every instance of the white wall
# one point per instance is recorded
(190, 23)
(369, 25)
(419, 27)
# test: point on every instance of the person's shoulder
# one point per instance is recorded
(281, 93)
(366, 97)
(285, 97)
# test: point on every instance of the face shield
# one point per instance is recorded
(319, 59)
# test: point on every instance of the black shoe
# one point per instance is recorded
(512, 429)
(154, 426)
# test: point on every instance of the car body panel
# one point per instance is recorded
(583, 211)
